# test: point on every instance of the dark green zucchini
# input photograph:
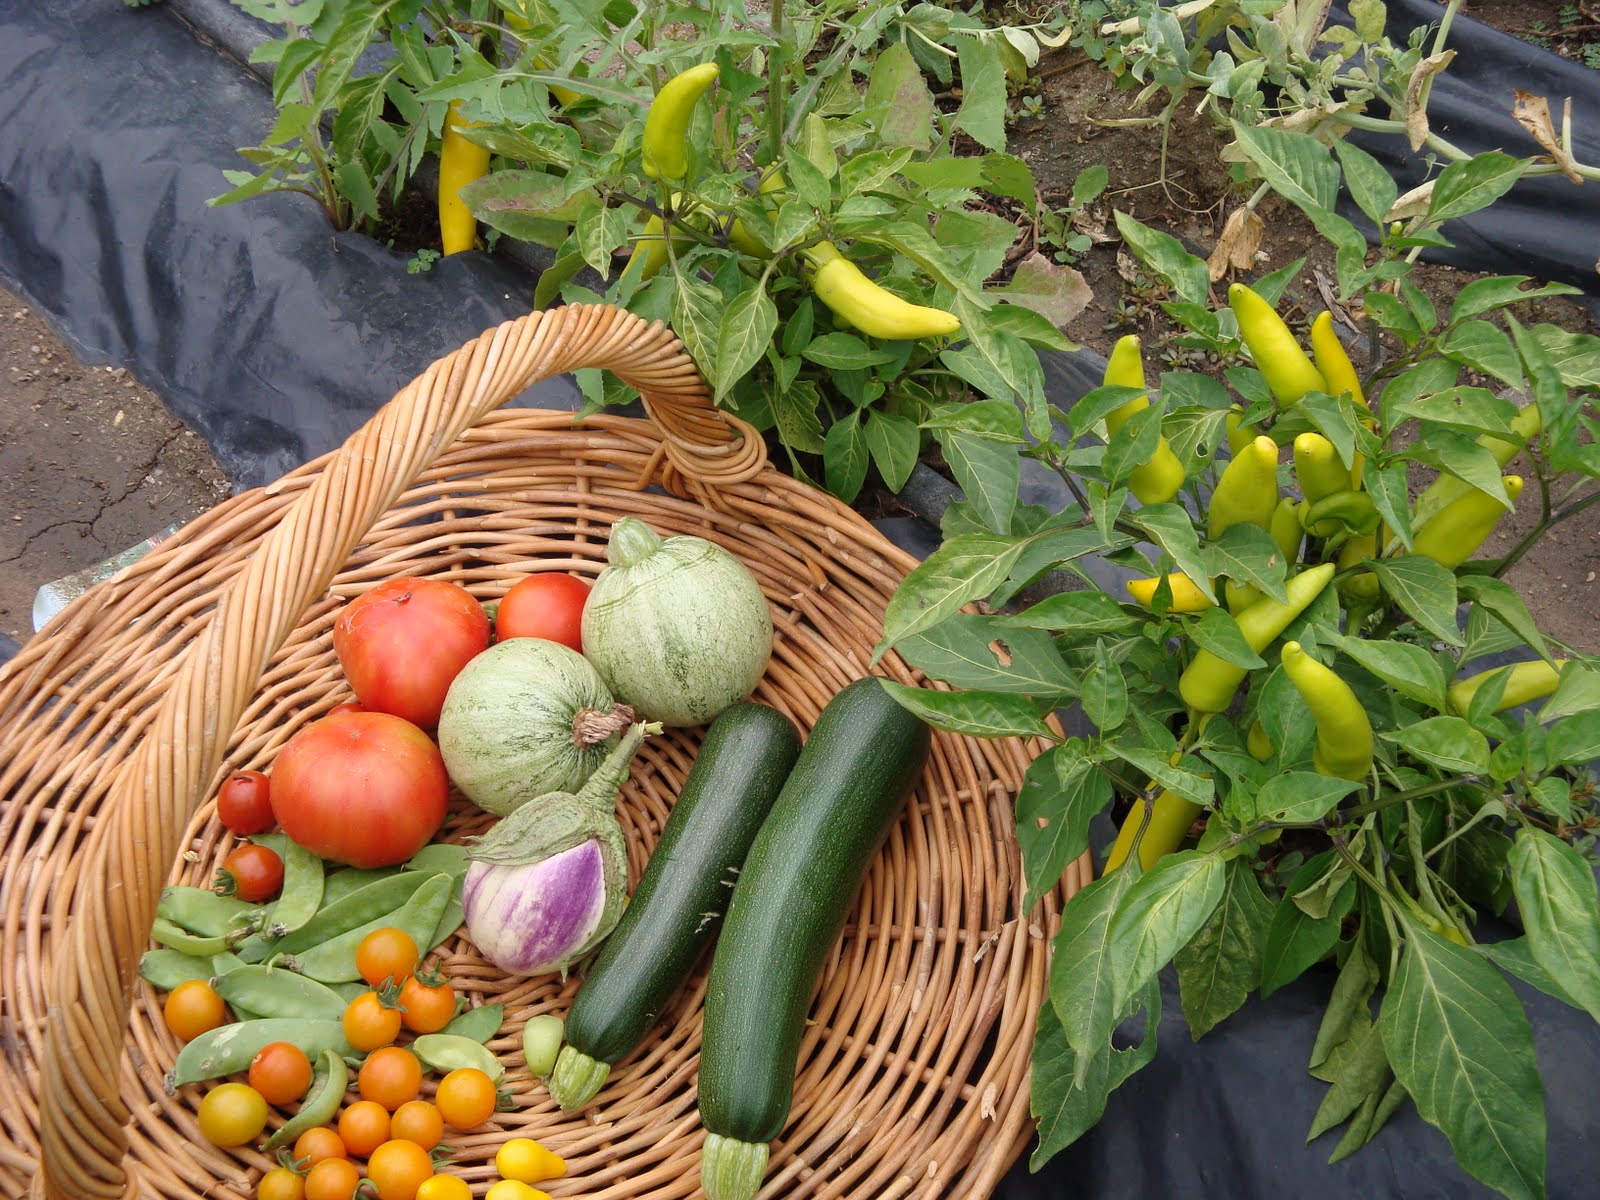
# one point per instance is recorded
(674, 912)
(798, 884)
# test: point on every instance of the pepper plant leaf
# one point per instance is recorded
(1555, 890)
(1221, 965)
(976, 714)
(1161, 912)
(1061, 793)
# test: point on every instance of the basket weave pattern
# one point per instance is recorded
(118, 722)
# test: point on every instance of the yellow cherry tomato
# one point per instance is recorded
(511, 1189)
(444, 1187)
(232, 1114)
(526, 1161)
(281, 1183)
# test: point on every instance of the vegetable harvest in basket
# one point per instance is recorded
(329, 974)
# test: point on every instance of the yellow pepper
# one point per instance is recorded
(1317, 467)
(1334, 365)
(1526, 681)
(875, 311)
(1454, 534)
(666, 125)
(1362, 588)
(1170, 819)
(1447, 488)
(1247, 492)
(1279, 358)
(1156, 481)
(1258, 743)
(1186, 596)
(1344, 735)
(460, 163)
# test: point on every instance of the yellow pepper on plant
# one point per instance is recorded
(1158, 480)
(460, 162)
(1279, 358)
(1454, 534)
(1344, 734)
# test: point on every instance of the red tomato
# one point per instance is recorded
(403, 642)
(253, 873)
(347, 706)
(366, 789)
(547, 605)
(244, 803)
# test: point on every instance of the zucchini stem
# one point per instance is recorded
(731, 1169)
(576, 1078)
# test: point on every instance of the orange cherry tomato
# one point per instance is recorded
(427, 1007)
(332, 1179)
(466, 1098)
(398, 1169)
(363, 1127)
(418, 1121)
(385, 955)
(315, 1145)
(391, 1076)
(281, 1183)
(281, 1072)
(193, 1008)
(370, 1023)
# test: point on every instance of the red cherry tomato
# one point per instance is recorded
(403, 642)
(253, 873)
(548, 605)
(244, 803)
(366, 789)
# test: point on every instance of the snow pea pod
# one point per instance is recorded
(166, 969)
(480, 1024)
(301, 896)
(353, 911)
(446, 1052)
(202, 911)
(167, 934)
(454, 915)
(321, 1102)
(279, 993)
(334, 961)
(438, 856)
(224, 964)
(229, 1048)
(352, 879)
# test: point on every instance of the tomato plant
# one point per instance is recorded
(251, 872)
(418, 1121)
(466, 1098)
(192, 1008)
(363, 1127)
(548, 605)
(281, 1072)
(232, 1114)
(365, 789)
(391, 1076)
(369, 1022)
(398, 1169)
(402, 643)
(244, 803)
(386, 955)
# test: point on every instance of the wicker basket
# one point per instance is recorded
(118, 722)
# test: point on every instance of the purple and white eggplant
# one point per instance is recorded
(546, 885)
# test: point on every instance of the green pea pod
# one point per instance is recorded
(339, 884)
(278, 843)
(202, 911)
(302, 891)
(321, 1102)
(480, 1024)
(349, 990)
(352, 911)
(454, 915)
(437, 857)
(277, 992)
(229, 1048)
(166, 969)
(334, 961)
(166, 933)
(444, 1052)
(1352, 511)
(225, 964)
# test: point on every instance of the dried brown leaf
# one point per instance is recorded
(1416, 111)
(1236, 248)
(1533, 114)
(1413, 204)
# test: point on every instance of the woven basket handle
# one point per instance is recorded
(157, 789)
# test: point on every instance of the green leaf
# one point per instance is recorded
(1515, 957)
(1296, 941)
(988, 473)
(1068, 1091)
(960, 651)
(965, 568)
(1497, 291)
(1221, 965)
(1023, 318)
(1359, 1071)
(697, 319)
(1300, 797)
(1194, 435)
(976, 714)
(1371, 186)
(1576, 356)
(1171, 527)
(844, 352)
(1081, 979)
(844, 457)
(997, 420)
(1387, 486)
(983, 93)
(1456, 454)
(1469, 185)
(1500, 598)
(1445, 742)
(1077, 614)
(1483, 347)
(528, 205)
(1578, 691)
(601, 230)
(1165, 255)
(1247, 553)
(1423, 589)
(1407, 668)
(893, 442)
(746, 331)
(1574, 740)
(1132, 446)
(1164, 909)
(1555, 890)
(1473, 409)
(1105, 692)
(1219, 633)
(1193, 787)
(795, 410)
(1061, 793)
(1460, 1043)
(898, 103)
(1347, 1005)
(1298, 167)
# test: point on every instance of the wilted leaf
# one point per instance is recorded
(1533, 114)
(1055, 292)
(1236, 248)
(1416, 110)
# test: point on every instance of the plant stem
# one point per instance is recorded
(776, 92)
(1533, 535)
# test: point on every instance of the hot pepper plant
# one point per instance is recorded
(1301, 712)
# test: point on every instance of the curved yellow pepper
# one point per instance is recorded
(1156, 481)
(1285, 367)
(1447, 488)
(1527, 681)
(1170, 819)
(875, 311)
(1247, 490)
(1344, 734)
(1454, 534)
(666, 125)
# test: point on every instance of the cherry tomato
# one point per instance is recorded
(317, 1144)
(192, 1008)
(365, 789)
(253, 873)
(232, 1114)
(526, 1161)
(444, 1187)
(403, 642)
(370, 1023)
(332, 1179)
(428, 1006)
(548, 605)
(417, 1121)
(466, 1098)
(281, 1072)
(385, 955)
(398, 1169)
(244, 803)
(363, 1127)
(514, 1189)
(281, 1183)
(391, 1076)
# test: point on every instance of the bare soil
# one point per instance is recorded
(90, 464)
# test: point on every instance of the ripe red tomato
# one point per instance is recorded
(548, 605)
(252, 872)
(244, 803)
(367, 789)
(403, 642)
